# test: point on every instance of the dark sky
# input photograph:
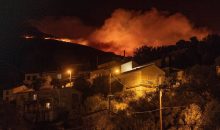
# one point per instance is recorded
(94, 12)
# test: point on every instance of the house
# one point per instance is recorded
(45, 104)
(142, 78)
(30, 77)
(145, 78)
(105, 69)
(61, 79)
(10, 94)
(48, 104)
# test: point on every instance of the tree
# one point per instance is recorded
(82, 85)
(211, 115)
(143, 54)
(37, 84)
(100, 85)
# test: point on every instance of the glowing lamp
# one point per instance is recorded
(117, 71)
(69, 71)
(48, 105)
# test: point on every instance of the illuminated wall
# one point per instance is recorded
(152, 75)
(128, 66)
(147, 76)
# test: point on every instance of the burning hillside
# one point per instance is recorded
(124, 30)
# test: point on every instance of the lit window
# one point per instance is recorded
(35, 97)
(218, 70)
(48, 105)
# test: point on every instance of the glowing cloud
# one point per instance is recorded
(127, 30)
(124, 30)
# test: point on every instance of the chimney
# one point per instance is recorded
(124, 53)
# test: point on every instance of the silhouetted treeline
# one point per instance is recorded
(182, 55)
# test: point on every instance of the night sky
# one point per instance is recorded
(91, 21)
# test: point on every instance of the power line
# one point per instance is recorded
(150, 111)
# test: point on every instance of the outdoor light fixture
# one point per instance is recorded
(69, 71)
(117, 71)
(35, 97)
(48, 105)
(70, 74)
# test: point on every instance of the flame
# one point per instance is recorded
(78, 41)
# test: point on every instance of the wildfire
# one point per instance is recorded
(78, 41)
(124, 30)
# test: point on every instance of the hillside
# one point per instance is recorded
(52, 55)
(20, 55)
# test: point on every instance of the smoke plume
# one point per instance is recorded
(126, 30)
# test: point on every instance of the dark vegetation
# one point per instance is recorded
(19, 55)
(184, 54)
(100, 85)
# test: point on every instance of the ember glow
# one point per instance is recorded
(125, 30)
(78, 41)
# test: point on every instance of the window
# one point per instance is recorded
(48, 105)
(35, 97)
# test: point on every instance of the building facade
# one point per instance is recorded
(45, 104)
(143, 78)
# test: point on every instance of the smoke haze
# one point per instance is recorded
(125, 30)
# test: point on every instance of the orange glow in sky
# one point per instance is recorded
(124, 30)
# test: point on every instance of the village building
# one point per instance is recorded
(43, 105)
(146, 78)
(105, 69)
(30, 77)
(133, 77)
(48, 104)
(11, 94)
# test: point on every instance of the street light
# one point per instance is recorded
(115, 71)
(70, 74)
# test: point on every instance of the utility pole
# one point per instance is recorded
(110, 92)
(161, 114)
(70, 77)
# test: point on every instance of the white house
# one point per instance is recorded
(147, 77)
